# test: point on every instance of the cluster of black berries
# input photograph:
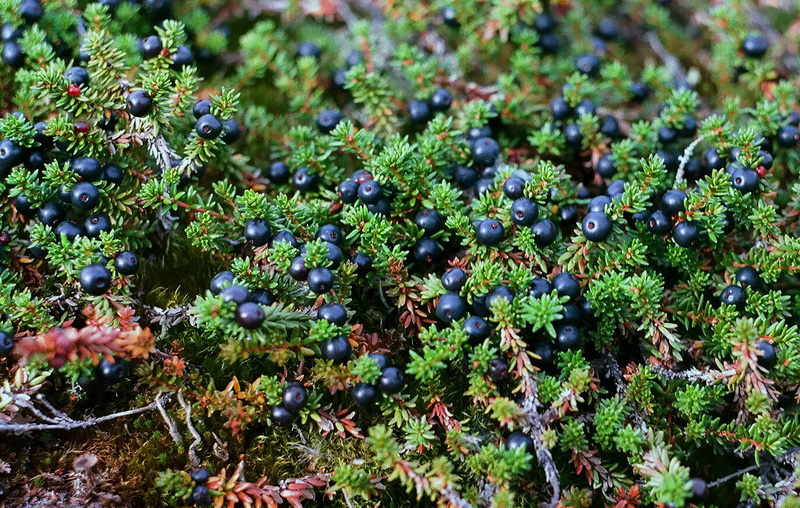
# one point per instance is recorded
(249, 311)
(420, 111)
(201, 496)
(208, 126)
(294, 398)
(362, 187)
(95, 279)
(13, 56)
(339, 349)
(107, 373)
(390, 382)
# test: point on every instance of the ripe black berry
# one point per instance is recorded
(544, 350)
(605, 166)
(298, 269)
(391, 380)
(262, 297)
(519, 440)
(712, 159)
(500, 292)
(364, 395)
(485, 151)
(788, 136)
(200, 475)
(51, 213)
(768, 357)
(596, 226)
(31, 10)
(13, 55)
(607, 29)
(348, 191)
(87, 168)
(449, 17)
(454, 279)
(698, 490)
(573, 136)
(666, 134)
(430, 221)
(230, 131)
(451, 307)
(685, 233)
(585, 107)
(249, 315)
(320, 280)
(113, 174)
(338, 350)
(363, 263)
(112, 371)
(587, 64)
(126, 263)
(182, 57)
(139, 103)
(281, 416)
(327, 120)
(748, 277)
(514, 187)
(672, 202)
(295, 397)
(220, 281)
(498, 369)
(549, 43)
(6, 344)
(333, 313)
(544, 232)
(441, 100)
(11, 154)
(524, 211)
(568, 337)
(305, 180)
(659, 223)
(235, 294)
(85, 196)
(490, 232)
(150, 46)
(308, 49)
(257, 232)
(559, 109)
(419, 111)
(427, 251)
(745, 180)
(208, 127)
(476, 329)
(465, 177)
(539, 288)
(733, 295)
(380, 360)
(201, 108)
(565, 284)
(68, 229)
(755, 46)
(639, 91)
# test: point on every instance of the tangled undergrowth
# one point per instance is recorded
(362, 253)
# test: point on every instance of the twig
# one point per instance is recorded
(198, 440)
(690, 375)
(687, 154)
(173, 429)
(530, 407)
(732, 475)
(670, 60)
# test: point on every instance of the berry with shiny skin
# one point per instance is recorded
(598, 204)
(585, 107)
(659, 223)
(713, 160)
(220, 282)
(544, 232)
(334, 313)
(427, 251)
(68, 229)
(308, 48)
(545, 351)
(77, 76)
(380, 360)
(231, 132)
(685, 233)
(524, 211)
(429, 220)
(559, 109)
(734, 295)
(295, 397)
(768, 357)
(262, 297)
(281, 416)
(327, 120)
(201, 108)
(568, 338)
(698, 490)
(477, 329)
(182, 57)
(454, 279)
(257, 232)
(500, 292)
(278, 172)
(11, 154)
(348, 191)
(748, 277)
(249, 315)
(338, 350)
(85, 196)
(200, 475)
(539, 288)
(236, 294)
(490, 232)
(565, 284)
(87, 168)
(391, 380)
(498, 369)
(150, 46)
(305, 180)
(363, 263)
(788, 136)
(672, 203)
(573, 136)
(370, 192)
(50, 214)
(666, 135)
(755, 46)
(519, 440)
(298, 269)
(112, 174)
(320, 280)
(13, 56)
(745, 180)
(126, 263)
(114, 371)
(605, 166)
(208, 127)
(419, 111)
(139, 103)
(596, 226)
(514, 187)
(441, 100)
(364, 395)
(451, 307)
(587, 64)
(485, 151)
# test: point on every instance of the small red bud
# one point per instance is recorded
(73, 90)
(81, 127)
(761, 171)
